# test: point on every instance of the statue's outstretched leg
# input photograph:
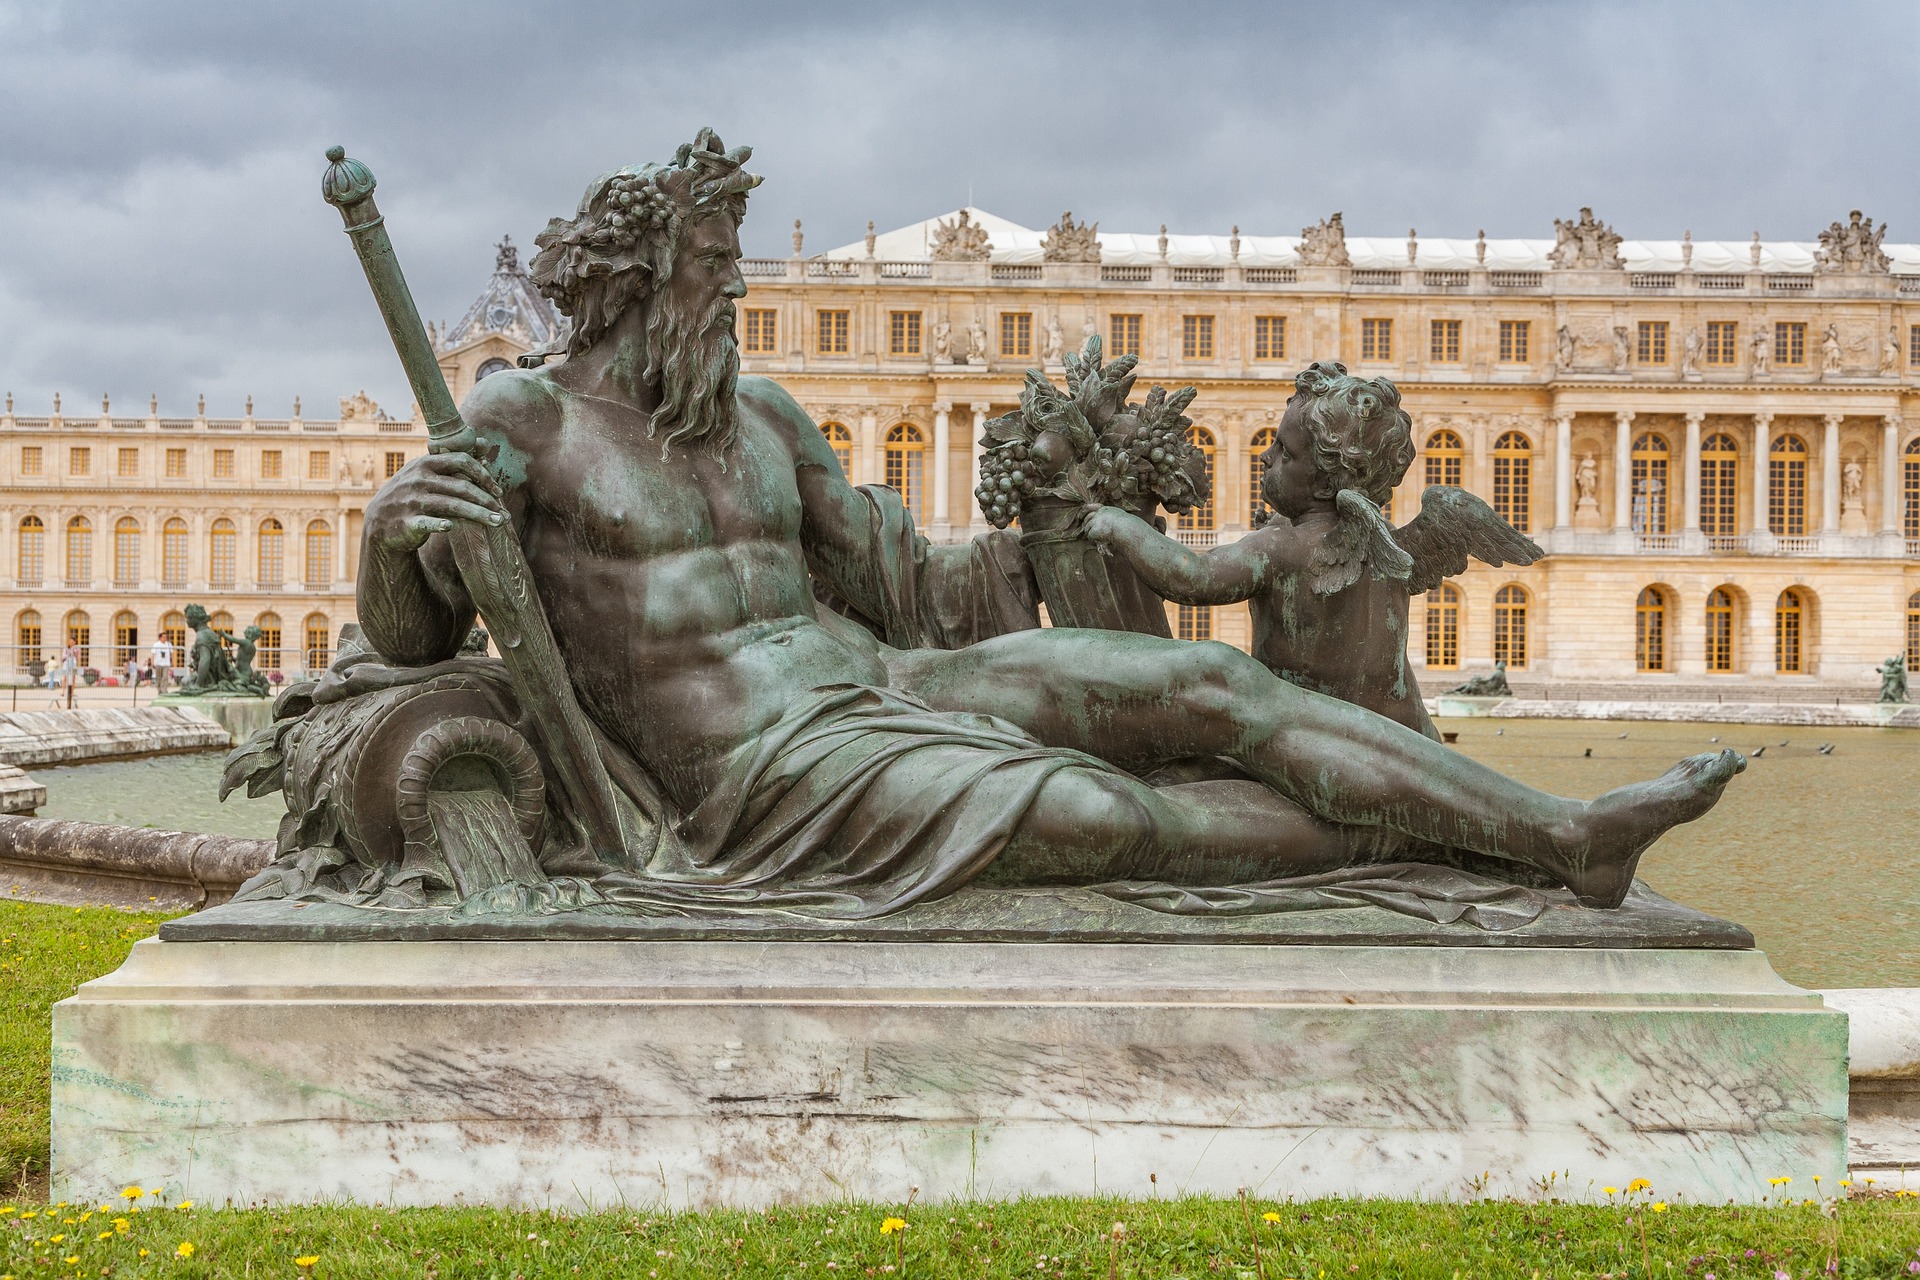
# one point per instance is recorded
(1140, 700)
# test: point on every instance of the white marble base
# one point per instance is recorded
(740, 1073)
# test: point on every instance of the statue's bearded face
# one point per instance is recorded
(693, 358)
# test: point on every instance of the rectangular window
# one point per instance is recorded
(1123, 335)
(1913, 346)
(1196, 337)
(1269, 337)
(317, 460)
(1653, 342)
(762, 333)
(30, 460)
(1194, 622)
(903, 333)
(1789, 342)
(395, 461)
(223, 464)
(1723, 343)
(1516, 341)
(830, 333)
(269, 464)
(79, 461)
(1016, 333)
(1443, 342)
(1376, 339)
(176, 464)
(126, 463)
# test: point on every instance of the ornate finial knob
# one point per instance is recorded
(346, 181)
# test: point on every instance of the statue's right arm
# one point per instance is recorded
(1225, 575)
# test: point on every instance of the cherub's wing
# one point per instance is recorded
(1361, 541)
(1452, 526)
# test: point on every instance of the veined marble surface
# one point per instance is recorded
(744, 1073)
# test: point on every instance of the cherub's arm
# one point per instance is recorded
(1224, 575)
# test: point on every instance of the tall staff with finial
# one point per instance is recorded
(489, 558)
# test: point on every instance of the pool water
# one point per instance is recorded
(1818, 854)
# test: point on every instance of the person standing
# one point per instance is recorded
(162, 660)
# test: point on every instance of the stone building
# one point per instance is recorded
(1719, 442)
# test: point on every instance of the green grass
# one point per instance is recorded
(45, 952)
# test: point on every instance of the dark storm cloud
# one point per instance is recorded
(160, 227)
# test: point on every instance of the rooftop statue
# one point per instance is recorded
(677, 725)
(1070, 241)
(962, 240)
(1852, 248)
(1324, 244)
(1586, 245)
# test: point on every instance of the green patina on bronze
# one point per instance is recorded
(734, 685)
(211, 671)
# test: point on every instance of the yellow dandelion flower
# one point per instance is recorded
(1612, 1191)
(56, 1239)
(104, 1235)
(184, 1204)
(1638, 1184)
(185, 1250)
(1779, 1182)
(306, 1262)
(143, 1253)
(9, 1211)
(1270, 1216)
(132, 1193)
(75, 1258)
(121, 1224)
(1658, 1206)
(891, 1225)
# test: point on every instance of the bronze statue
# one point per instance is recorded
(1491, 685)
(676, 522)
(1893, 678)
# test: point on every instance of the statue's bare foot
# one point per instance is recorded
(1623, 824)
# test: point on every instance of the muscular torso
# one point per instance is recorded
(1351, 645)
(677, 590)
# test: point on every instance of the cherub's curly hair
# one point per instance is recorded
(1362, 438)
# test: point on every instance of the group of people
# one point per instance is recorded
(157, 670)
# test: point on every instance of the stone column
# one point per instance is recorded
(1830, 476)
(942, 444)
(973, 454)
(869, 449)
(1623, 470)
(1761, 538)
(1691, 516)
(1563, 471)
(1890, 474)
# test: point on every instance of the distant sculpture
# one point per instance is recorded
(1324, 244)
(1070, 241)
(1492, 685)
(1830, 350)
(1762, 348)
(962, 240)
(1890, 353)
(243, 673)
(1567, 347)
(1851, 475)
(1586, 480)
(344, 475)
(1054, 343)
(1622, 348)
(799, 238)
(977, 342)
(366, 472)
(942, 342)
(1586, 245)
(1852, 248)
(358, 407)
(871, 238)
(209, 669)
(1893, 678)
(1690, 355)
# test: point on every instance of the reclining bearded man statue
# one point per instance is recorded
(682, 523)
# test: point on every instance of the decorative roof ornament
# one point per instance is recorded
(1480, 248)
(870, 237)
(799, 238)
(1233, 244)
(962, 240)
(1070, 241)
(1852, 248)
(1413, 246)
(1753, 254)
(1586, 245)
(1686, 251)
(1325, 244)
(359, 407)
(506, 257)
(510, 305)
(1163, 242)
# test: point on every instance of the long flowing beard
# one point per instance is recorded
(695, 362)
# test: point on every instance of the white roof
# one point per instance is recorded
(1012, 243)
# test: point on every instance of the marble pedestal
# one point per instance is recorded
(742, 1073)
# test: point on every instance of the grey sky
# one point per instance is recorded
(161, 228)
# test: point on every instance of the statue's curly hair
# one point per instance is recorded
(622, 241)
(1362, 438)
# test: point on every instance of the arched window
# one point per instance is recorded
(1913, 631)
(1719, 485)
(1513, 480)
(27, 633)
(32, 564)
(318, 653)
(1909, 489)
(906, 460)
(1720, 630)
(80, 636)
(1650, 631)
(223, 553)
(173, 625)
(1257, 508)
(1194, 622)
(1443, 626)
(491, 367)
(1510, 625)
(840, 440)
(126, 552)
(126, 639)
(319, 554)
(1787, 487)
(173, 553)
(1650, 492)
(271, 567)
(1789, 633)
(221, 620)
(266, 656)
(79, 552)
(1446, 459)
(1202, 515)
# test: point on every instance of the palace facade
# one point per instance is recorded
(1717, 442)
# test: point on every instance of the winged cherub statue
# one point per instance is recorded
(1328, 579)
